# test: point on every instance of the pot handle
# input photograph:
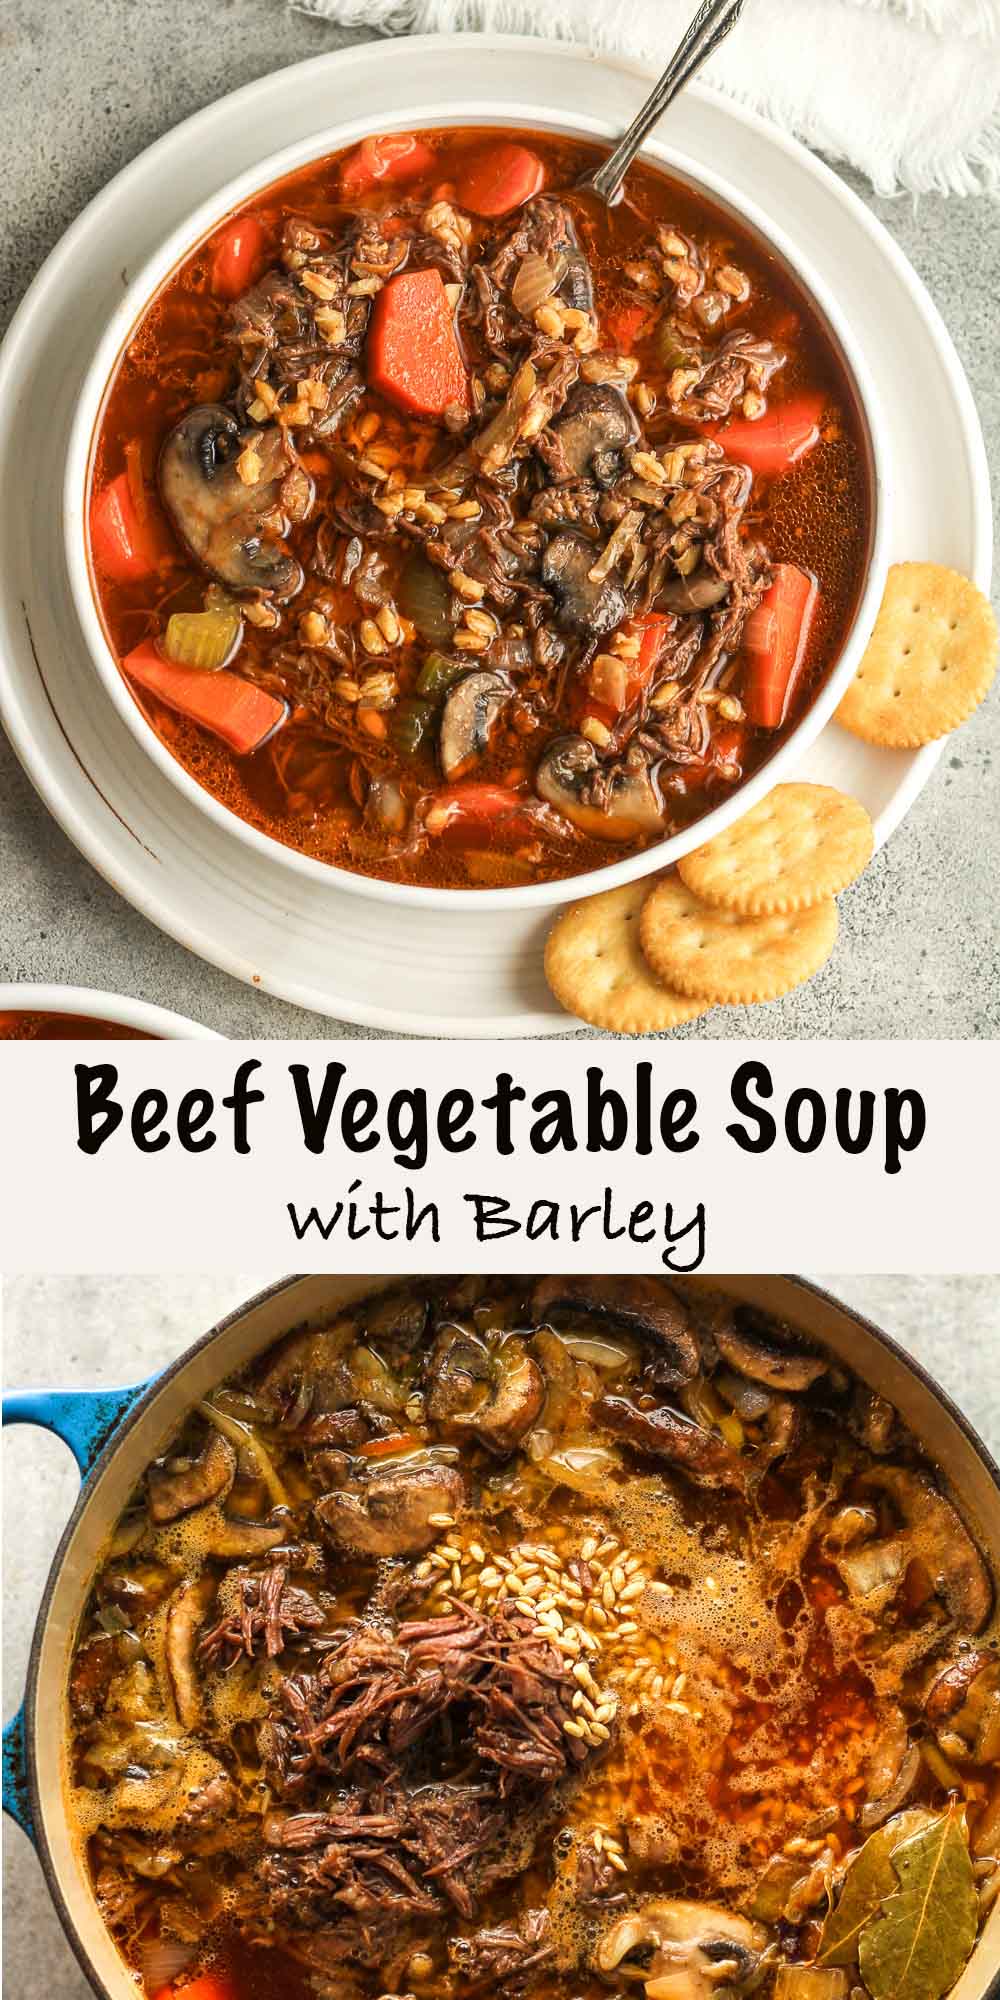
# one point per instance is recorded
(84, 1419)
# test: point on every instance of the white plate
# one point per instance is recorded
(320, 947)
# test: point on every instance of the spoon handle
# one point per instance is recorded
(705, 33)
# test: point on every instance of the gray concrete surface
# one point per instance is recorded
(85, 90)
(60, 1330)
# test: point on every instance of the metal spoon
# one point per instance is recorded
(706, 33)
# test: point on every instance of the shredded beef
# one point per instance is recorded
(267, 1614)
(484, 1698)
(394, 1854)
(504, 1956)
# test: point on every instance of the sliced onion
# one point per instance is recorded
(387, 805)
(585, 1468)
(511, 655)
(245, 1438)
(618, 542)
(112, 1620)
(424, 598)
(535, 281)
(599, 1353)
(162, 1961)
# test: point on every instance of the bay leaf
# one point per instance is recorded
(869, 1880)
(916, 1949)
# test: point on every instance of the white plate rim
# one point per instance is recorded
(94, 842)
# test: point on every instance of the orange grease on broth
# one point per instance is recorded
(817, 515)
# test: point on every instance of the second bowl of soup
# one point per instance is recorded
(454, 531)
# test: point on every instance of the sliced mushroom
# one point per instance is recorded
(390, 1515)
(950, 1689)
(698, 592)
(494, 1392)
(782, 1425)
(682, 1950)
(309, 1371)
(930, 1535)
(633, 803)
(748, 1400)
(576, 285)
(235, 1540)
(177, 1488)
(134, 1588)
(186, 1613)
(518, 1395)
(964, 1704)
(878, 1810)
(223, 520)
(584, 606)
(872, 1420)
(639, 1305)
(700, 1455)
(776, 1367)
(596, 425)
(470, 713)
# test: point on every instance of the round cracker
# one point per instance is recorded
(720, 957)
(792, 850)
(595, 967)
(929, 662)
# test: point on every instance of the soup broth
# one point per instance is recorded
(554, 1639)
(453, 528)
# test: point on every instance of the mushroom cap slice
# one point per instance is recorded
(634, 805)
(700, 1455)
(241, 1540)
(494, 1392)
(949, 1690)
(186, 1613)
(584, 606)
(699, 592)
(639, 1305)
(390, 1514)
(468, 717)
(688, 1948)
(933, 1534)
(208, 1477)
(760, 1361)
(593, 429)
(219, 517)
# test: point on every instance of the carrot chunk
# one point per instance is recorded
(615, 683)
(243, 715)
(471, 811)
(238, 253)
(124, 546)
(626, 324)
(500, 178)
(776, 440)
(208, 1986)
(392, 157)
(413, 353)
(775, 639)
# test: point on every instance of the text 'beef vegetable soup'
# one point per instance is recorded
(580, 1640)
(456, 529)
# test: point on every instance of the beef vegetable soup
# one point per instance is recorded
(563, 1639)
(455, 529)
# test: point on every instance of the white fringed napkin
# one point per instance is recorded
(906, 90)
